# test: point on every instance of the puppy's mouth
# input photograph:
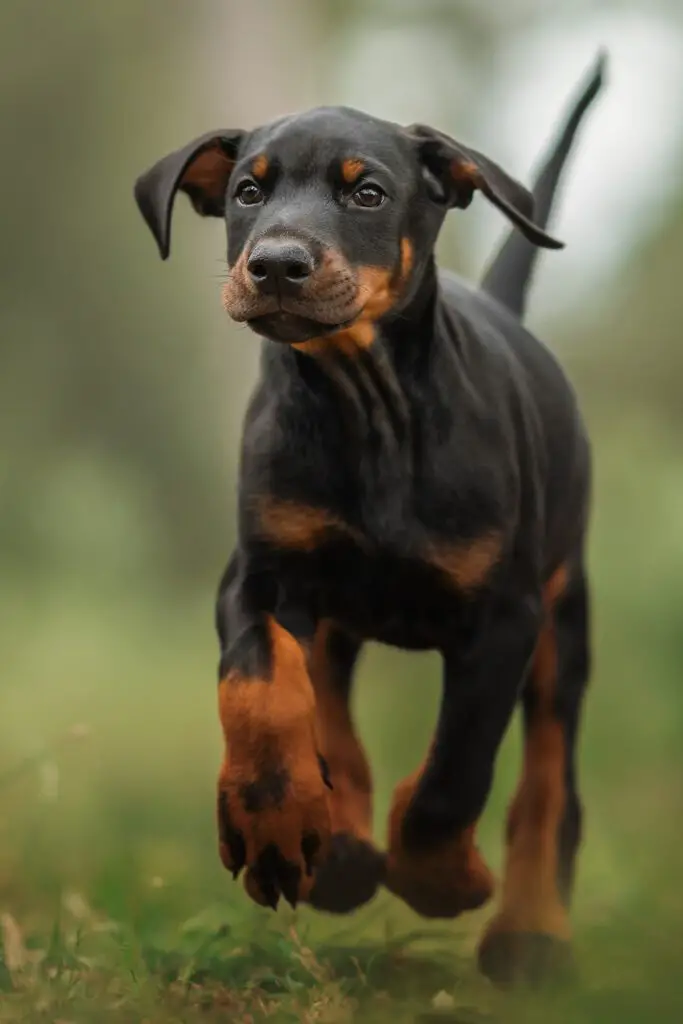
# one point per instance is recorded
(290, 328)
(286, 319)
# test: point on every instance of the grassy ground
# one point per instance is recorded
(115, 908)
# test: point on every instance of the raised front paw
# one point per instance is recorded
(274, 821)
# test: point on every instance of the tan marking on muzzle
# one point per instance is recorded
(239, 293)
(378, 291)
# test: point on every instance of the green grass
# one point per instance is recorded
(120, 911)
(117, 909)
(236, 963)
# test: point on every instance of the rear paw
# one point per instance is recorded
(437, 877)
(349, 877)
(441, 884)
(526, 959)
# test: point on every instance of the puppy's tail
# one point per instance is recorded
(508, 277)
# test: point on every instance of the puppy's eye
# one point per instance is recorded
(248, 194)
(368, 196)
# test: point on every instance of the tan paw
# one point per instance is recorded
(276, 824)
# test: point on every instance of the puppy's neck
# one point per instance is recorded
(411, 328)
(367, 385)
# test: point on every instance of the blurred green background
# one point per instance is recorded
(122, 388)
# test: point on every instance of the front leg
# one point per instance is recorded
(351, 874)
(273, 816)
(433, 863)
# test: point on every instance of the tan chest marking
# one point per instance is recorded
(300, 527)
(292, 524)
(470, 563)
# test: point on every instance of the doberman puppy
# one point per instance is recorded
(414, 470)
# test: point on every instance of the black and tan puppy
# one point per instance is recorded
(414, 470)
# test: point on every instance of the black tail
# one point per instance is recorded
(508, 277)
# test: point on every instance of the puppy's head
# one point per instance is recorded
(331, 215)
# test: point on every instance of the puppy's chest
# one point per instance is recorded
(403, 585)
(381, 535)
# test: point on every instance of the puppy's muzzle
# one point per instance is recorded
(285, 274)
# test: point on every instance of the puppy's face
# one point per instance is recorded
(331, 216)
(319, 232)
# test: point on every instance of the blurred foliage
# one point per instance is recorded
(120, 398)
(632, 359)
(105, 395)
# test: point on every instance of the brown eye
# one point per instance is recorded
(248, 194)
(368, 196)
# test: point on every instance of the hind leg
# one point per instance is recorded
(433, 863)
(350, 875)
(529, 940)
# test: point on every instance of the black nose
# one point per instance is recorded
(280, 265)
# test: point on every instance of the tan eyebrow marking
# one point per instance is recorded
(259, 167)
(352, 170)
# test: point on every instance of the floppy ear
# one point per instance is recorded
(461, 171)
(201, 170)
